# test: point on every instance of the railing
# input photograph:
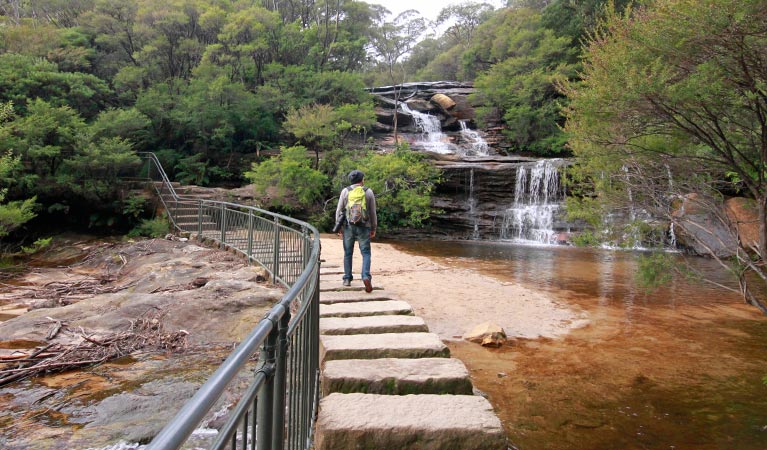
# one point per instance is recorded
(278, 409)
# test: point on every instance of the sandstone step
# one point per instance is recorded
(423, 422)
(396, 376)
(331, 297)
(387, 345)
(330, 269)
(372, 325)
(337, 279)
(360, 308)
(336, 285)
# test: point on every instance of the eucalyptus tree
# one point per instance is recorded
(392, 41)
(24, 78)
(517, 62)
(672, 109)
(61, 13)
(248, 41)
(340, 34)
(439, 57)
(463, 19)
(322, 127)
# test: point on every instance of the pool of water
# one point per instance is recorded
(680, 367)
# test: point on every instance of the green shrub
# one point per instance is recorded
(152, 228)
(37, 246)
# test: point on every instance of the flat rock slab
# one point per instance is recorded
(335, 283)
(396, 376)
(422, 422)
(372, 325)
(389, 345)
(375, 308)
(330, 297)
(337, 286)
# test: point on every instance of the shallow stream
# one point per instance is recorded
(677, 368)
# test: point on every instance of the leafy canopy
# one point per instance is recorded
(402, 181)
(288, 180)
(673, 102)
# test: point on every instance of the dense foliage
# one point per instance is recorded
(215, 87)
(672, 112)
(402, 181)
(207, 85)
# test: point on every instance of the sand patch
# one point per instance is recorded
(454, 300)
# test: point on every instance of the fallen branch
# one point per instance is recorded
(145, 333)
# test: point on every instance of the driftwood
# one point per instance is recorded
(58, 293)
(54, 330)
(144, 333)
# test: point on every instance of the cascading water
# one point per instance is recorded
(537, 198)
(434, 139)
(472, 202)
(476, 144)
(671, 231)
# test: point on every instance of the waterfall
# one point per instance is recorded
(476, 144)
(434, 139)
(671, 231)
(536, 200)
(472, 203)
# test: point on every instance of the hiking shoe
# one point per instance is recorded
(368, 285)
(347, 282)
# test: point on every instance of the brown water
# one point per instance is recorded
(678, 368)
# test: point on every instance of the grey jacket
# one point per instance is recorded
(370, 201)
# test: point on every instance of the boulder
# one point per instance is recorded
(386, 117)
(702, 228)
(445, 102)
(487, 334)
(744, 215)
(420, 105)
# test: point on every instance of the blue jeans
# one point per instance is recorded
(362, 235)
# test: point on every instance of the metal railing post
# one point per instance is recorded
(250, 235)
(199, 219)
(265, 420)
(223, 224)
(280, 387)
(276, 250)
(285, 389)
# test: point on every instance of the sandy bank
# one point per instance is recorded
(454, 300)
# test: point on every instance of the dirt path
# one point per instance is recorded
(454, 300)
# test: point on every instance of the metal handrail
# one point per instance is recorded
(277, 410)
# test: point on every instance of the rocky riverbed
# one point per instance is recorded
(190, 304)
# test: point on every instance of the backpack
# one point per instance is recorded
(356, 205)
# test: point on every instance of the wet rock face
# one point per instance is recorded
(446, 100)
(710, 228)
(132, 398)
(474, 197)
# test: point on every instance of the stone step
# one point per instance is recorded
(387, 345)
(331, 297)
(423, 422)
(206, 226)
(396, 376)
(337, 280)
(360, 308)
(372, 325)
(335, 284)
(331, 269)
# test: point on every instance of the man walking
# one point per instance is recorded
(356, 220)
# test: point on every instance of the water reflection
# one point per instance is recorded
(606, 276)
(678, 368)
